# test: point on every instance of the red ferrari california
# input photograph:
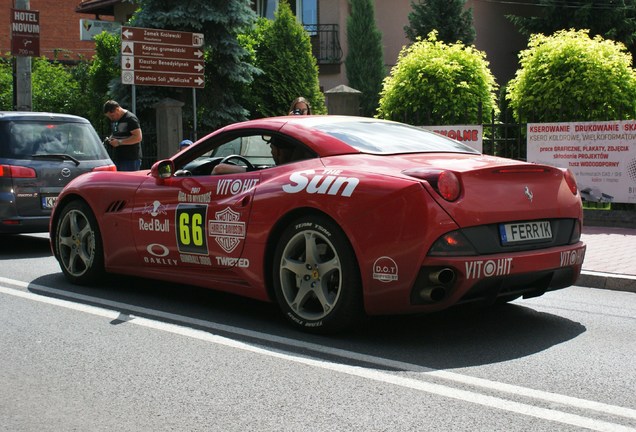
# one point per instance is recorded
(331, 217)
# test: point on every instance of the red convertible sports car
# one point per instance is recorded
(365, 217)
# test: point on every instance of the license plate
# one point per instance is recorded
(525, 231)
(48, 202)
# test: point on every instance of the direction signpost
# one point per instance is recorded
(160, 57)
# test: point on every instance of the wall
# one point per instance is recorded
(390, 19)
(59, 29)
(497, 37)
(495, 34)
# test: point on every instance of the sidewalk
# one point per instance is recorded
(610, 259)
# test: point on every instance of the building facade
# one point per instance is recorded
(59, 29)
(325, 20)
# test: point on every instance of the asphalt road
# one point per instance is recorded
(139, 355)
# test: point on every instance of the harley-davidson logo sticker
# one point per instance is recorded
(227, 229)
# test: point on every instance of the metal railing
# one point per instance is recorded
(503, 135)
(325, 43)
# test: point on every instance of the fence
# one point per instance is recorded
(502, 134)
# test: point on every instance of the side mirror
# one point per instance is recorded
(162, 169)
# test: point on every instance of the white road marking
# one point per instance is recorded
(469, 396)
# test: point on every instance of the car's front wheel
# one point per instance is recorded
(316, 276)
(78, 244)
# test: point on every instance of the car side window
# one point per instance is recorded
(255, 147)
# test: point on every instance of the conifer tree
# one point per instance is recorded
(448, 17)
(615, 20)
(227, 67)
(365, 60)
(282, 50)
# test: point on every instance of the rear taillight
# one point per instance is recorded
(15, 171)
(453, 243)
(446, 183)
(571, 181)
(105, 168)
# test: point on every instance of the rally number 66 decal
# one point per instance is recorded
(190, 223)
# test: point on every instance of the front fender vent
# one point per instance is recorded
(116, 206)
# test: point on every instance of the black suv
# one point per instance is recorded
(39, 154)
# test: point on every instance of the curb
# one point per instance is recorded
(609, 281)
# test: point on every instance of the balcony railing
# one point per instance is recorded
(325, 43)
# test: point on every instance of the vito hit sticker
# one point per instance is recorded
(488, 268)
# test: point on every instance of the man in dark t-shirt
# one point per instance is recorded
(125, 138)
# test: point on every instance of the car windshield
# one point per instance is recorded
(391, 138)
(24, 139)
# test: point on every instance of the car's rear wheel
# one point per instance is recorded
(78, 244)
(316, 276)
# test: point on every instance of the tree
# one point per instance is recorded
(103, 74)
(614, 20)
(365, 61)
(449, 18)
(6, 83)
(54, 88)
(227, 69)
(282, 50)
(570, 76)
(438, 83)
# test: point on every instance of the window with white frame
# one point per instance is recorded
(306, 11)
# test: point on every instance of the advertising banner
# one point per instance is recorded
(602, 156)
(471, 135)
(90, 28)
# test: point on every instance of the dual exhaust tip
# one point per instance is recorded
(442, 280)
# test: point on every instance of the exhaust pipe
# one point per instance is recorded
(433, 293)
(433, 285)
(444, 276)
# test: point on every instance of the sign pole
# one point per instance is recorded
(194, 112)
(22, 90)
(133, 107)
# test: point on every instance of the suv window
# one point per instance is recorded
(23, 139)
